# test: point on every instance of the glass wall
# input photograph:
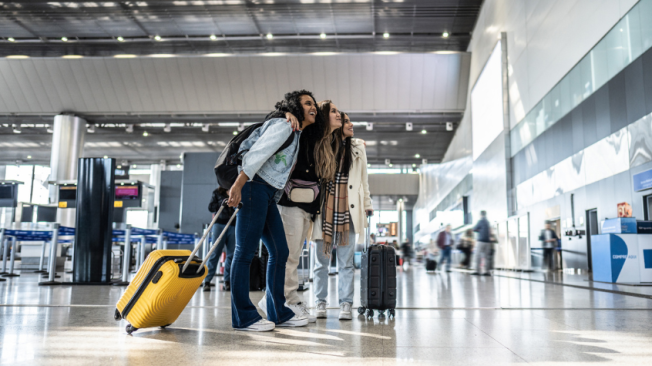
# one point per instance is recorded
(34, 177)
(625, 42)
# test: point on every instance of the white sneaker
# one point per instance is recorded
(262, 325)
(262, 304)
(295, 321)
(345, 311)
(300, 309)
(321, 310)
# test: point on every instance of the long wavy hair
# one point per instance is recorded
(328, 146)
(347, 160)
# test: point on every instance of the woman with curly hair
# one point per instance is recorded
(346, 203)
(259, 185)
(302, 196)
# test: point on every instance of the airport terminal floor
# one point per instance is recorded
(441, 319)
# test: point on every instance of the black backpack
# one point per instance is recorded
(226, 167)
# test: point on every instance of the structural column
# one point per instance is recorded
(400, 207)
(67, 147)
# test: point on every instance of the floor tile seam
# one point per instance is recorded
(497, 341)
(624, 293)
(556, 322)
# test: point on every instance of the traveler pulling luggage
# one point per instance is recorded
(165, 284)
(377, 279)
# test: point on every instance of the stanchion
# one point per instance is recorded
(165, 244)
(12, 259)
(141, 258)
(159, 240)
(136, 257)
(72, 257)
(5, 252)
(2, 242)
(53, 258)
(46, 273)
(126, 259)
(41, 259)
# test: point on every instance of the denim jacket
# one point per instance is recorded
(274, 169)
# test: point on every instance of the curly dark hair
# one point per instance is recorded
(292, 103)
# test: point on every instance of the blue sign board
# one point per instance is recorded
(621, 225)
(643, 181)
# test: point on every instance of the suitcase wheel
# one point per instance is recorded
(130, 328)
(165, 326)
(117, 316)
(381, 314)
(392, 313)
(361, 310)
(370, 313)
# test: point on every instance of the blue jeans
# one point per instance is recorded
(446, 257)
(258, 218)
(345, 269)
(228, 242)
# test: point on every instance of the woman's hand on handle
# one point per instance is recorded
(235, 193)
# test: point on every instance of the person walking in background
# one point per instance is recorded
(347, 205)
(549, 240)
(406, 250)
(483, 245)
(445, 243)
(466, 246)
(227, 242)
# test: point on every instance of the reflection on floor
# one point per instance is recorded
(443, 319)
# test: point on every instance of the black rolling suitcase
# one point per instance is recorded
(378, 280)
(431, 265)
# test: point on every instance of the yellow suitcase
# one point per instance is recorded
(164, 285)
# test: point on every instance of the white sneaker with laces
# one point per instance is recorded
(295, 321)
(262, 304)
(263, 325)
(321, 310)
(301, 310)
(345, 311)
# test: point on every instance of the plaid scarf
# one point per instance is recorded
(335, 221)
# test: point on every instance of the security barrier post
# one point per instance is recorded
(53, 258)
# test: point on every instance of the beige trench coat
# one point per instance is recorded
(359, 196)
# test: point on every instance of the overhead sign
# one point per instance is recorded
(643, 181)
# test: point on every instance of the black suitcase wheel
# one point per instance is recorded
(130, 328)
(381, 313)
(117, 316)
(392, 313)
(165, 326)
(361, 310)
(370, 313)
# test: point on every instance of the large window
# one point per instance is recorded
(35, 186)
(625, 42)
(487, 104)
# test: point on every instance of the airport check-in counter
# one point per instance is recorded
(8, 202)
(623, 252)
(133, 204)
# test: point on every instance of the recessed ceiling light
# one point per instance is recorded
(64, 39)
(386, 52)
(162, 55)
(106, 156)
(270, 36)
(145, 134)
(445, 52)
(445, 34)
(119, 167)
(324, 53)
(274, 54)
(213, 37)
(11, 39)
(135, 166)
(391, 165)
(385, 35)
(368, 165)
(17, 56)
(125, 56)
(158, 38)
(178, 165)
(414, 165)
(235, 132)
(120, 39)
(423, 132)
(72, 56)
(417, 156)
(322, 36)
(218, 54)
(29, 156)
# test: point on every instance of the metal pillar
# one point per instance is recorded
(159, 240)
(12, 259)
(400, 207)
(143, 243)
(53, 258)
(72, 257)
(126, 258)
(42, 258)
(5, 251)
(67, 147)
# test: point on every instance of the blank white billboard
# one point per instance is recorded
(487, 104)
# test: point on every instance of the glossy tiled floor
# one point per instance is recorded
(443, 319)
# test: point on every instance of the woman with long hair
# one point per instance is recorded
(302, 196)
(347, 202)
(262, 176)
